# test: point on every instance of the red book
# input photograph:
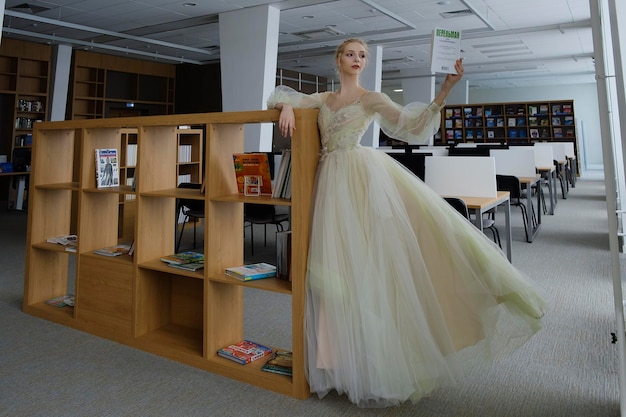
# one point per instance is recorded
(244, 352)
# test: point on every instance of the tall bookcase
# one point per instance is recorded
(139, 301)
(108, 86)
(24, 75)
(509, 122)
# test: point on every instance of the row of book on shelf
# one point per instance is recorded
(533, 110)
(185, 154)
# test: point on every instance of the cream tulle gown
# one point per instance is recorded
(403, 293)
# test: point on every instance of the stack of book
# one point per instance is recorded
(189, 260)
(115, 250)
(244, 352)
(251, 272)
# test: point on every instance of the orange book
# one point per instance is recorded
(253, 164)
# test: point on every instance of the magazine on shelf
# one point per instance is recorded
(114, 250)
(253, 164)
(183, 258)
(244, 352)
(251, 272)
(66, 300)
(445, 49)
(107, 168)
(192, 266)
(281, 362)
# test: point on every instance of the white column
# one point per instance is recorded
(459, 94)
(248, 59)
(60, 80)
(371, 79)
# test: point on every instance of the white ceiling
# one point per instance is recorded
(505, 43)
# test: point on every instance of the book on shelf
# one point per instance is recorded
(69, 241)
(252, 272)
(543, 109)
(253, 164)
(107, 168)
(191, 266)
(66, 300)
(282, 175)
(281, 362)
(180, 258)
(558, 132)
(283, 255)
(445, 49)
(511, 121)
(244, 352)
(114, 250)
(534, 133)
(532, 110)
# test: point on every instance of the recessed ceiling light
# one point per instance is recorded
(190, 4)
(308, 17)
(443, 3)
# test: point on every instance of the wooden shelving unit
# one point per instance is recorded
(109, 86)
(138, 301)
(509, 122)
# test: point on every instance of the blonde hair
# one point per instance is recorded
(342, 46)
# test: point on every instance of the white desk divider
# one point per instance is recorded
(518, 161)
(544, 155)
(462, 176)
(558, 150)
(435, 150)
(569, 149)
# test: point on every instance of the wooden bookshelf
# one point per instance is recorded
(24, 75)
(513, 123)
(109, 86)
(181, 315)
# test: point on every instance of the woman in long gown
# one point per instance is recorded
(402, 293)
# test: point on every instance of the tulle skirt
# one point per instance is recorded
(403, 293)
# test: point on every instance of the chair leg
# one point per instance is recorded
(523, 208)
(194, 231)
(180, 236)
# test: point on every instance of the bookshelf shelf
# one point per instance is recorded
(140, 301)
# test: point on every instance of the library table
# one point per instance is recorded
(20, 188)
(528, 183)
(481, 205)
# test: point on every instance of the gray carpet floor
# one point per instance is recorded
(569, 369)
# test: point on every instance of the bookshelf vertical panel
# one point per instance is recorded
(156, 227)
(98, 221)
(52, 156)
(305, 146)
(96, 138)
(48, 273)
(50, 214)
(156, 159)
(223, 237)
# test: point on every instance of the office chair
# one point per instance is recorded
(512, 184)
(189, 209)
(262, 214)
(488, 223)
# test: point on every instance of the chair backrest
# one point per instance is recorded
(466, 176)
(459, 205)
(518, 161)
(511, 184)
(261, 213)
(191, 204)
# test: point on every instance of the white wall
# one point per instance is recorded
(585, 98)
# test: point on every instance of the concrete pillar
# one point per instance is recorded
(248, 55)
(371, 78)
(421, 89)
(60, 79)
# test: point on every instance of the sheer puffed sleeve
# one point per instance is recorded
(287, 95)
(414, 123)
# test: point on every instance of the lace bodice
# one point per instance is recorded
(414, 123)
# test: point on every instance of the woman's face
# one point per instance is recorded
(352, 59)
